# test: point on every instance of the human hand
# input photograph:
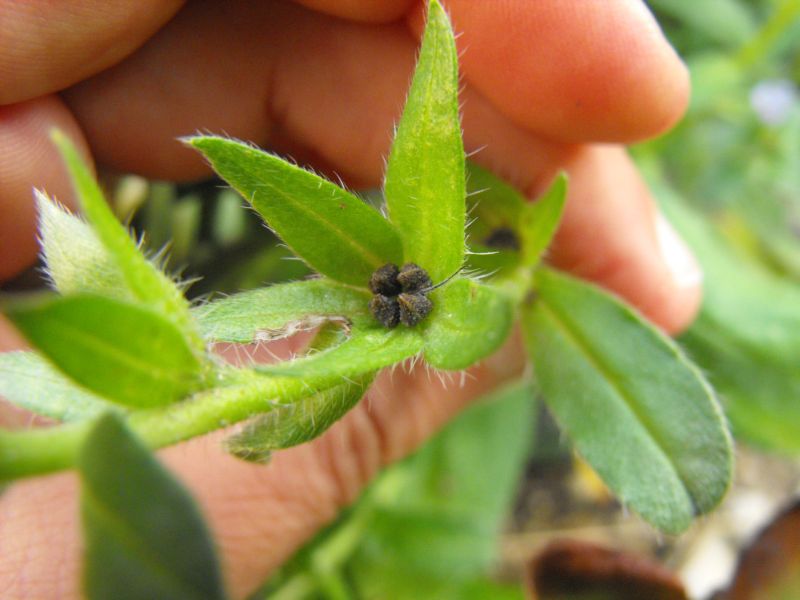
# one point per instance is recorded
(544, 83)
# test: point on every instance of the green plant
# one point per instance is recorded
(126, 363)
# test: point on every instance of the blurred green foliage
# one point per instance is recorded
(728, 177)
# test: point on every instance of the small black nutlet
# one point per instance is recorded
(400, 295)
(385, 309)
(503, 238)
(413, 279)
(414, 308)
(384, 280)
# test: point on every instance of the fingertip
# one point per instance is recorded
(30, 160)
(613, 234)
(573, 71)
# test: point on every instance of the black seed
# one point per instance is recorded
(386, 310)
(414, 308)
(413, 278)
(384, 280)
(502, 238)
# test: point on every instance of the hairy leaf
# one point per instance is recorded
(639, 412)
(75, 259)
(367, 350)
(144, 280)
(331, 229)
(515, 230)
(296, 423)
(144, 534)
(123, 352)
(541, 219)
(30, 382)
(280, 310)
(469, 321)
(425, 176)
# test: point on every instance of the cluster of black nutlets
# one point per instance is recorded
(400, 295)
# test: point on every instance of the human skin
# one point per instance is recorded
(547, 85)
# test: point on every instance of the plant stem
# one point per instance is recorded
(39, 451)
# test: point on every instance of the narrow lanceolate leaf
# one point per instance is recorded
(281, 310)
(541, 219)
(365, 351)
(469, 321)
(123, 352)
(145, 282)
(335, 232)
(144, 535)
(425, 176)
(29, 381)
(296, 423)
(639, 412)
(75, 260)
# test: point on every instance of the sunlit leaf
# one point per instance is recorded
(280, 310)
(75, 259)
(469, 321)
(634, 406)
(144, 280)
(365, 351)
(123, 352)
(31, 382)
(425, 185)
(335, 232)
(144, 535)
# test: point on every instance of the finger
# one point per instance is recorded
(29, 160)
(259, 514)
(572, 70)
(46, 46)
(330, 91)
(366, 11)
(612, 233)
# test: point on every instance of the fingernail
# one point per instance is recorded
(680, 261)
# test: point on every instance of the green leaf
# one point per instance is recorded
(425, 183)
(639, 412)
(30, 382)
(365, 351)
(144, 535)
(123, 352)
(75, 259)
(144, 280)
(469, 321)
(497, 207)
(541, 219)
(331, 229)
(296, 423)
(281, 310)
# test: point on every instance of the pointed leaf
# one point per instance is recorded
(145, 537)
(296, 423)
(425, 186)
(331, 229)
(365, 351)
(280, 310)
(123, 352)
(541, 219)
(29, 381)
(469, 321)
(75, 260)
(144, 280)
(639, 412)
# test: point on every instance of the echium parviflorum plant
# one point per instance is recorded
(125, 364)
